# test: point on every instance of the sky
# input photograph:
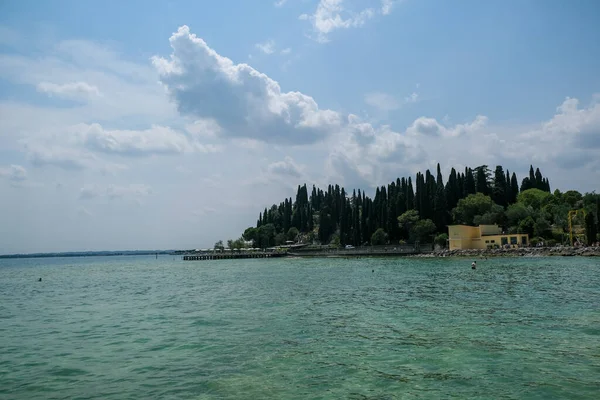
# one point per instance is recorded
(172, 124)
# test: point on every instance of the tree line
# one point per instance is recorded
(407, 210)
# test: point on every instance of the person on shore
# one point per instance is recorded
(474, 265)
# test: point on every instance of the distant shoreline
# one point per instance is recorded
(90, 254)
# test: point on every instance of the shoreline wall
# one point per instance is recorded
(516, 252)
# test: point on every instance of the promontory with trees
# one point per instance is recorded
(405, 211)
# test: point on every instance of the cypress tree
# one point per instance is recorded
(499, 190)
(452, 190)
(430, 199)
(539, 180)
(470, 187)
(514, 188)
(481, 180)
(410, 195)
(440, 205)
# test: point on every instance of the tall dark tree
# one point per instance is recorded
(469, 187)
(514, 188)
(482, 176)
(499, 188)
(452, 190)
(440, 205)
(410, 195)
(590, 229)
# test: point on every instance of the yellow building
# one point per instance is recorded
(483, 237)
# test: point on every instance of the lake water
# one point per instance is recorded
(146, 328)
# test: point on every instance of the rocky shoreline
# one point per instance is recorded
(516, 252)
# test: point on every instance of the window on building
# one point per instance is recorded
(513, 240)
(504, 240)
(493, 241)
(487, 241)
(523, 239)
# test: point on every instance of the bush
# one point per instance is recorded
(441, 239)
(379, 237)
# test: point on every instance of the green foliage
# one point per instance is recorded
(292, 233)
(572, 198)
(534, 198)
(335, 241)
(527, 226)
(517, 212)
(403, 211)
(542, 228)
(219, 245)
(590, 228)
(471, 206)
(250, 233)
(441, 239)
(280, 239)
(379, 237)
(422, 230)
(407, 220)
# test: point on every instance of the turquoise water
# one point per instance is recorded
(141, 328)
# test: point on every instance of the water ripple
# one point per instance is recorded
(141, 328)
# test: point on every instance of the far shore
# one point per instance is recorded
(515, 252)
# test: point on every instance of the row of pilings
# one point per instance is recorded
(229, 256)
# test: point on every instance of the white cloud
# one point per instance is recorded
(15, 173)
(267, 47)
(331, 15)
(382, 101)
(286, 51)
(386, 102)
(286, 168)
(204, 211)
(431, 127)
(157, 140)
(134, 191)
(386, 6)
(77, 147)
(280, 3)
(243, 101)
(413, 98)
(72, 90)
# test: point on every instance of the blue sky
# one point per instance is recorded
(146, 124)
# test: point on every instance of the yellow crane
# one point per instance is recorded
(573, 213)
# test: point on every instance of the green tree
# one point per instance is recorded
(219, 245)
(440, 205)
(335, 241)
(407, 220)
(572, 198)
(499, 189)
(292, 234)
(516, 213)
(280, 239)
(230, 243)
(534, 198)
(441, 239)
(590, 229)
(423, 229)
(527, 226)
(542, 228)
(379, 237)
(496, 215)
(470, 206)
(266, 236)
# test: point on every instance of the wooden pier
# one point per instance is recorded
(230, 256)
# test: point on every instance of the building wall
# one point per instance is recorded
(471, 237)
